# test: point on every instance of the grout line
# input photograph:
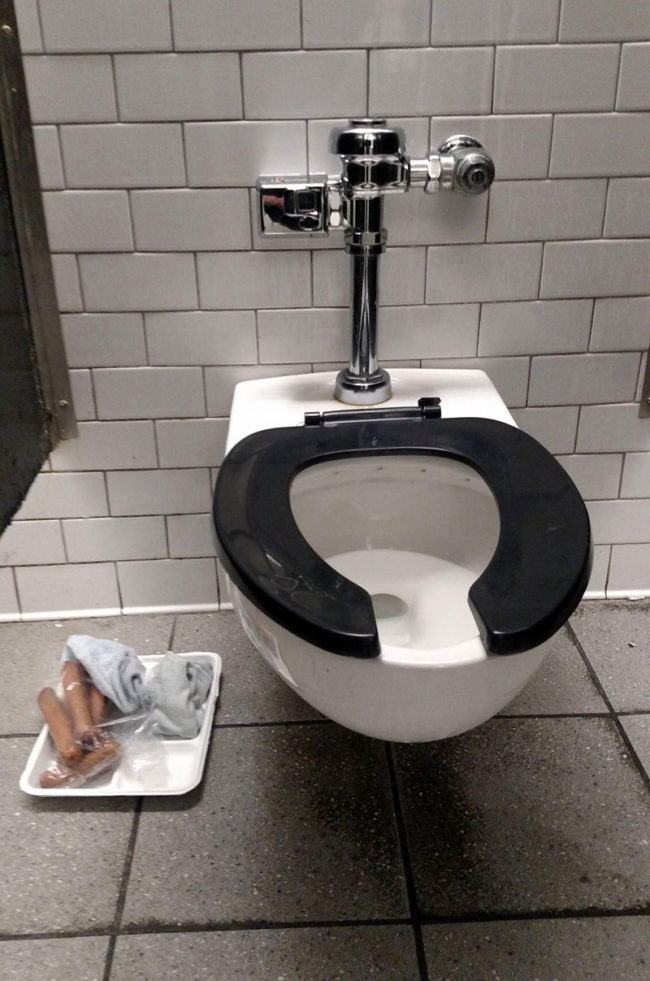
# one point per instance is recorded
(121, 899)
(411, 891)
(613, 714)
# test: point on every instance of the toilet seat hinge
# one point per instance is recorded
(427, 408)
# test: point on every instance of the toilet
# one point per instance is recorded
(404, 567)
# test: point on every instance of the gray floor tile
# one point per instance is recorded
(355, 953)
(78, 958)
(527, 815)
(562, 684)
(291, 824)
(637, 728)
(251, 691)
(61, 859)
(616, 639)
(593, 949)
(30, 654)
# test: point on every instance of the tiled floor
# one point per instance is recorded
(519, 850)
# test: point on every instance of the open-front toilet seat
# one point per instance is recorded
(532, 584)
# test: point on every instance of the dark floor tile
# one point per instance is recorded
(525, 815)
(251, 691)
(78, 958)
(292, 824)
(386, 953)
(61, 859)
(616, 639)
(589, 949)
(637, 728)
(30, 656)
(562, 685)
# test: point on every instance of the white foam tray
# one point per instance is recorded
(179, 762)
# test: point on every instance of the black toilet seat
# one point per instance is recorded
(530, 587)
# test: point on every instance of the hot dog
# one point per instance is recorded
(74, 688)
(97, 702)
(92, 764)
(58, 720)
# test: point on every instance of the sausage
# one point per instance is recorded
(58, 720)
(92, 764)
(74, 688)
(97, 702)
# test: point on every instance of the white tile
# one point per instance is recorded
(435, 219)
(619, 522)
(633, 84)
(159, 492)
(493, 21)
(628, 208)
(519, 145)
(109, 539)
(248, 24)
(533, 211)
(70, 88)
(601, 20)
(415, 128)
(465, 273)
(65, 495)
(191, 536)
(66, 283)
(304, 335)
(190, 220)
(612, 428)
(9, 609)
(48, 157)
(32, 543)
(123, 155)
(596, 475)
(29, 26)
(201, 337)
(555, 78)
(581, 379)
(88, 588)
(621, 324)
(149, 393)
(88, 221)
(435, 81)
(601, 145)
(297, 84)
(220, 382)
(191, 442)
(107, 445)
(538, 327)
(508, 375)
(365, 23)
(629, 569)
(636, 475)
(235, 154)
(93, 25)
(401, 277)
(82, 394)
(241, 280)
(168, 583)
(442, 331)
(141, 281)
(595, 268)
(555, 427)
(94, 340)
(178, 86)
(598, 579)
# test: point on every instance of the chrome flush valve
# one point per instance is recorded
(373, 164)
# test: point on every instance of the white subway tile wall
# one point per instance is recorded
(152, 121)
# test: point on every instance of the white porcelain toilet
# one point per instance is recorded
(403, 568)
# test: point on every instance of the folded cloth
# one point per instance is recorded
(180, 686)
(116, 669)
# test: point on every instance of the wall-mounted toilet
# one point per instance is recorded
(402, 568)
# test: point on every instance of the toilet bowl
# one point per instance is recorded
(402, 568)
